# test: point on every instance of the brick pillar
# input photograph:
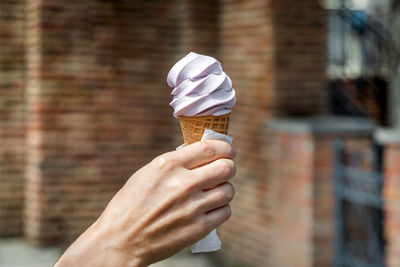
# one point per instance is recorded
(274, 51)
(247, 53)
(290, 199)
(391, 170)
(97, 104)
(12, 85)
(301, 188)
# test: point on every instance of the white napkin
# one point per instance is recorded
(211, 242)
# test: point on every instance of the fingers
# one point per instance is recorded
(204, 224)
(195, 206)
(200, 153)
(217, 197)
(215, 173)
(216, 217)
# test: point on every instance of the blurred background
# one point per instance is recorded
(84, 104)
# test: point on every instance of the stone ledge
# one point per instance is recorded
(323, 125)
(386, 136)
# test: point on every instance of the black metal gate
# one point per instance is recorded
(358, 211)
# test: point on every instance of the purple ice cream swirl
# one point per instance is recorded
(200, 87)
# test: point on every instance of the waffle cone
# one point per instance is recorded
(193, 127)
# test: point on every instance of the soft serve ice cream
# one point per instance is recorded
(203, 96)
(200, 87)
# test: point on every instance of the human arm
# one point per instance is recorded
(169, 204)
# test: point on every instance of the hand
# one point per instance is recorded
(169, 204)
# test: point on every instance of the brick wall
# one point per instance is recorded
(274, 51)
(97, 99)
(300, 57)
(197, 25)
(12, 85)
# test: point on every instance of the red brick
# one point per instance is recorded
(12, 119)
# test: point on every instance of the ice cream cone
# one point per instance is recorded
(193, 127)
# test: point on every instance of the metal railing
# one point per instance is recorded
(359, 239)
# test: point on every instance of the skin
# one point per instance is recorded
(167, 205)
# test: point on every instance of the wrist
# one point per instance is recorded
(94, 248)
